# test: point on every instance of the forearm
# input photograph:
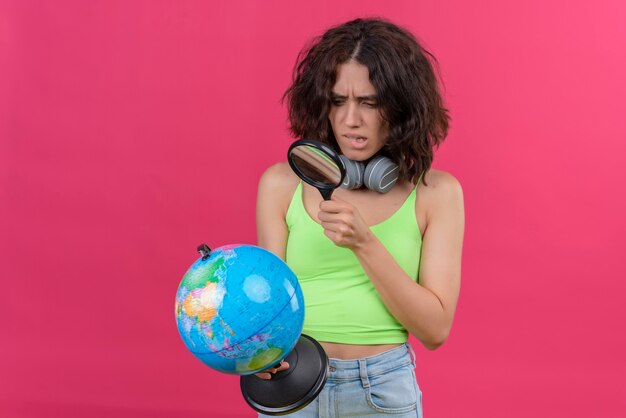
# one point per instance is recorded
(417, 308)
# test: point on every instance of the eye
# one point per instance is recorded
(371, 105)
(337, 102)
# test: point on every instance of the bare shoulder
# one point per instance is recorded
(441, 189)
(442, 181)
(278, 183)
(279, 176)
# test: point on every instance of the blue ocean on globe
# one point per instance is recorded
(240, 310)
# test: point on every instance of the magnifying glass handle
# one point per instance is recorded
(326, 193)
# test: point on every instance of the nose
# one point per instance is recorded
(353, 115)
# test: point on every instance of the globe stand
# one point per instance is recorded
(291, 389)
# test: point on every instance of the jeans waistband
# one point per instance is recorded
(373, 365)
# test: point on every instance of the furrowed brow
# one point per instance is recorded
(369, 97)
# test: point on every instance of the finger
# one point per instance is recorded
(333, 207)
(334, 198)
(337, 228)
(342, 217)
(264, 376)
(280, 368)
(283, 366)
(328, 216)
(328, 226)
(335, 237)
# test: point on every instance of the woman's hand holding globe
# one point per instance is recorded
(267, 374)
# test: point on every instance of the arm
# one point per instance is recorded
(275, 191)
(274, 194)
(426, 309)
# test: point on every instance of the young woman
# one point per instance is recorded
(373, 266)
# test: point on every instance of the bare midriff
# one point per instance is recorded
(354, 351)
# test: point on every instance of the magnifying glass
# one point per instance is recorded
(317, 164)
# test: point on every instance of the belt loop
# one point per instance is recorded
(411, 354)
(363, 373)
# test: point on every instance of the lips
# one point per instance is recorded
(357, 141)
(355, 137)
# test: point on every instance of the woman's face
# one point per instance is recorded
(354, 114)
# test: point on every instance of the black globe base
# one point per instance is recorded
(291, 389)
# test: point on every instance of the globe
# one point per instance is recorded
(239, 309)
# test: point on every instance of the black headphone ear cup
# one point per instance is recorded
(354, 173)
(380, 174)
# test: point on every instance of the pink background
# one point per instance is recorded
(131, 131)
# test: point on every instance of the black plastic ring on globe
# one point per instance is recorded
(293, 389)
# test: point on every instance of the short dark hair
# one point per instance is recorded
(400, 70)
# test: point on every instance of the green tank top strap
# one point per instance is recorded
(419, 179)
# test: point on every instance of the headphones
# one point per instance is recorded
(379, 174)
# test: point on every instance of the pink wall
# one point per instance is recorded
(132, 131)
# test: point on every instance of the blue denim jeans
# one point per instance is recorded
(379, 385)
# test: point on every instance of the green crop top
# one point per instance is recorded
(341, 303)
